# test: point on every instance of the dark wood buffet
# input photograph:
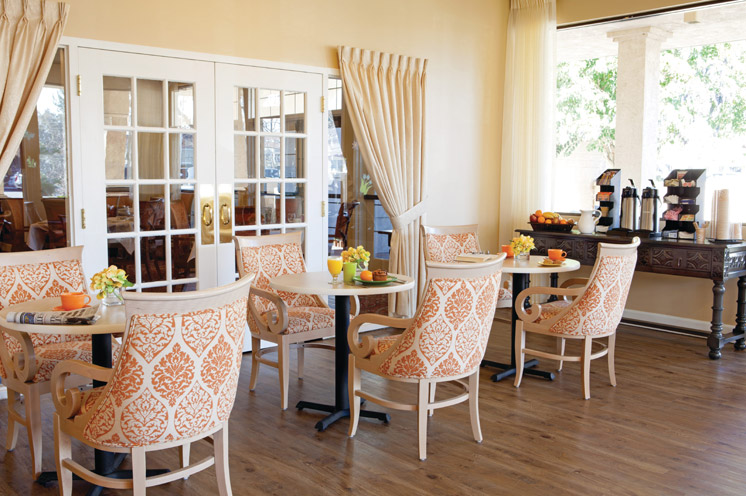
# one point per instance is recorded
(715, 261)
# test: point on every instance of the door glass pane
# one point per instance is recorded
(244, 109)
(118, 154)
(245, 202)
(295, 111)
(150, 155)
(149, 103)
(295, 157)
(244, 156)
(182, 206)
(181, 105)
(152, 258)
(120, 213)
(122, 254)
(294, 202)
(117, 101)
(269, 154)
(269, 111)
(152, 208)
(183, 256)
(270, 202)
(181, 155)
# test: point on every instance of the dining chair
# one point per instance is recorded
(342, 225)
(283, 318)
(444, 342)
(13, 227)
(27, 360)
(590, 312)
(444, 243)
(174, 383)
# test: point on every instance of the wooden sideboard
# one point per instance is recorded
(715, 261)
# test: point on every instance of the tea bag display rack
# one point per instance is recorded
(684, 199)
(608, 199)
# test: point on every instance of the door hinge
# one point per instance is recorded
(82, 218)
(323, 104)
(323, 209)
(80, 85)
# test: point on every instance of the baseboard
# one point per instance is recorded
(673, 321)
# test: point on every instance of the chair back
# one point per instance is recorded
(449, 333)
(598, 311)
(444, 243)
(268, 257)
(344, 216)
(177, 372)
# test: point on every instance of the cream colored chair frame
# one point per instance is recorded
(527, 323)
(68, 402)
(274, 331)
(23, 366)
(360, 349)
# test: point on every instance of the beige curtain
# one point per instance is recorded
(385, 97)
(528, 114)
(29, 33)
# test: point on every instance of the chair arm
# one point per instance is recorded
(22, 365)
(536, 308)
(276, 326)
(363, 349)
(68, 402)
(575, 281)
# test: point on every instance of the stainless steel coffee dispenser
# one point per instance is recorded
(628, 220)
(649, 211)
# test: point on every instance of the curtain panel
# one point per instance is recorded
(29, 33)
(528, 114)
(385, 97)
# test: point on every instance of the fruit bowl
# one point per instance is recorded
(551, 227)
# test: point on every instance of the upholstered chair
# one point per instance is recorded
(27, 360)
(444, 243)
(174, 383)
(283, 318)
(444, 341)
(594, 312)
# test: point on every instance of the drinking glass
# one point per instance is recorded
(335, 267)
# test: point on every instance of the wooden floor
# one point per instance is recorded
(676, 424)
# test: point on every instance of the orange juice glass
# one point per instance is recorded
(335, 267)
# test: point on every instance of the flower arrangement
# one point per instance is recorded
(110, 281)
(358, 255)
(522, 244)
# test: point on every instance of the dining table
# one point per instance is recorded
(521, 271)
(320, 283)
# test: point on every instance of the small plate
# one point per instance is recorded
(389, 279)
(62, 309)
(551, 263)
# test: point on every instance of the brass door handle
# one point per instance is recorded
(225, 214)
(207, 214)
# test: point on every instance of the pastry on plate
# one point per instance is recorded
(380, 275)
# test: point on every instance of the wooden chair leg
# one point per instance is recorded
(353, 385)
(520, 356)
(433, 385)
(138, 472)
(33, 417)
(255, 346)
(474, 406)
(12, 439)
(561, 352)
(184, 450)
(221, 461)
(586, 367)
(612, 371)
(62, 451)
(301, 360)
(283, 360)
(422, 397)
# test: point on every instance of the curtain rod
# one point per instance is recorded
(646, 14)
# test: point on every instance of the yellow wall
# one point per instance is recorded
(569, 11)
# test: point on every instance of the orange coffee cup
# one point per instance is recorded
(508, 250)
(556, 254)
(73, 301)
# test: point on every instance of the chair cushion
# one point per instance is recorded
(504, 294)
(49, 355)
(90, 396)
(551, 309)
(383, 343)
(303, 319)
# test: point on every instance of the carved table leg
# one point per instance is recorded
(741, 314)
(715, 338)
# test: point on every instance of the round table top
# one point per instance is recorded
(321, 283)
(531, 266)
(112, 319)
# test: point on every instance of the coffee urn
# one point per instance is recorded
(649, 211)
(628, 217)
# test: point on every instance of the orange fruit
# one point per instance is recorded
(541, 219)
(563, 221)
(548, 221)
(538, 213)
(366, 275)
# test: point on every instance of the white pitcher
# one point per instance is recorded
(588, 221)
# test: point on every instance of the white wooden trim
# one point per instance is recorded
(672, 320)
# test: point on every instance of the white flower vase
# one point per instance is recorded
(114, 298)
(522, 257)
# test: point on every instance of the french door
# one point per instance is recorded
(179, 155)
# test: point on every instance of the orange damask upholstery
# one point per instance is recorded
(302, 319)
(505, 295)
(552, 309)
(446, 247)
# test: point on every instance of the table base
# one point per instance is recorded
(509, 370)
(336, 414)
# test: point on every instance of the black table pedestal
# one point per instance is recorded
(341, 407)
